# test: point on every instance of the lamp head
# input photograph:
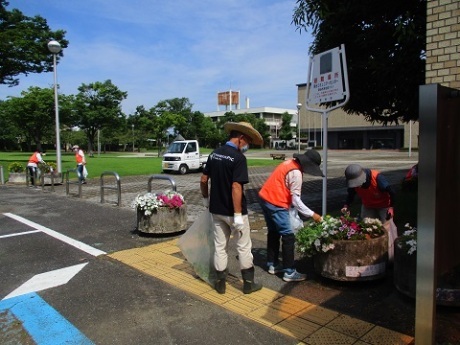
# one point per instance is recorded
(54, 47)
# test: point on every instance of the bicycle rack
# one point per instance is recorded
(68, 182)
(42, 181)
(42, 176)
(160, 177)
(117, 187)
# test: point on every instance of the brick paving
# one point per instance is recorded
(392, 163)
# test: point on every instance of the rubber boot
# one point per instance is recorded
(248, 281)
(219, 285)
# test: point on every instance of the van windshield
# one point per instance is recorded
(176, 148)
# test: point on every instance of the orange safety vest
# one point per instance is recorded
(274, 189)
(373, 197)
(78, 157)
(34, 158)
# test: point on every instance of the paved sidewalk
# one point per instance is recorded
(375, 305)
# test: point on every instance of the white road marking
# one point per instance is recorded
(20, 233)
(70, 241)
(47, 280)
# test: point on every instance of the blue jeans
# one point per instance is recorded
(81, 178)
(279, 227)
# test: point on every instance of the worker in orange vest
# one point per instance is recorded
(279, 193)
(32, 165)
(377, 195)
(81, 162)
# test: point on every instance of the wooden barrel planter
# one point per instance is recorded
(163, 220)
(354, 260)
(405, 269)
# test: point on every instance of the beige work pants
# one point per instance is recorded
(223, 230)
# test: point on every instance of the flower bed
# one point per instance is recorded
(344, 248)
(160, 213)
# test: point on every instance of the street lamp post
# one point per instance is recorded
(132, 126)
(299, 105)
(54, 47)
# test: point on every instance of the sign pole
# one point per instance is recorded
(324, 118)
(327, 82)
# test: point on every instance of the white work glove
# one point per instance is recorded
(206, 202)
(238, 223)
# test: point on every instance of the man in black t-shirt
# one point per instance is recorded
(228, 171)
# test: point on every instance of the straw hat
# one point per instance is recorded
(246, 129)
(75, 147)
(310, 162)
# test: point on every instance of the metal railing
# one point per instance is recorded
(42, 180)
(117, 187)
(160, 177)
(2, 177)
(39, 176)
(68, 182)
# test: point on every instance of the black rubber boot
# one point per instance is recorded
(219, 285)
(288, 247)
(248, 281)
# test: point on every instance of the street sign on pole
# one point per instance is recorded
(327, 81)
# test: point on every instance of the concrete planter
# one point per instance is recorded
(405, 278)
(354, 260)
(164, 220)
(21, 178)
(405, 267)
(17, 178)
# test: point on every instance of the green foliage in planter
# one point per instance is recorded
(48, 166)
(316, 238)
(16, 167)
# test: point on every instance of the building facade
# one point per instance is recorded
(443, 43)
(352, 131)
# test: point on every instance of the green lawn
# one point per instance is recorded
(123, 163)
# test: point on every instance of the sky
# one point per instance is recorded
(156, 50)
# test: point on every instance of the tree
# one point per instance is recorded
(9, 132)
(257, 123)
(182, 115)
(385, 50)
(145, 125)
(34, 114)
(286, 130)
(98, 106)
(24, 44)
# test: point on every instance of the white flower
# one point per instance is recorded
(149, 202)
(412, 246)
(411, 234)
